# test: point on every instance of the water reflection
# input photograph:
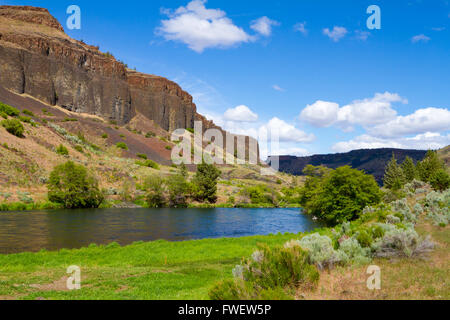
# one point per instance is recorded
(54, 230)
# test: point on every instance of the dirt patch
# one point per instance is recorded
(58, 285)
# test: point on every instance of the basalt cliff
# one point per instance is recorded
(38, 59)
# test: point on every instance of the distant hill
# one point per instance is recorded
(444, 154)
(372, 161)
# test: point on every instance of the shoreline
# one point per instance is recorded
(22, 207)
(116, 245)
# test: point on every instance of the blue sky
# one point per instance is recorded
(312, 69)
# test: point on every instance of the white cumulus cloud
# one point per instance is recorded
(201, 28)
(421, 121)
(240, 114)
(336, 34)
(429, 140)
(285, 131)
(367, 112)
(264, 26)
(321, 113)
(420, 38)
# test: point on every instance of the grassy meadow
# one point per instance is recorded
(154, 270)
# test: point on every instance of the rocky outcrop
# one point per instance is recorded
(162, 101)
(37, 58)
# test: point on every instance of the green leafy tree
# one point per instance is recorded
(184, 170)
(409, 170)
(311, 187)
(205, 183)
(178, 191)
(156, 189)
(394, 178)
(341, 195)
(440, 181)
(429, 166)
(72, 186)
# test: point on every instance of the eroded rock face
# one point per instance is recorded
(162, 101)
(39, 59)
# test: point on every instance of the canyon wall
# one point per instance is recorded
(37, 58)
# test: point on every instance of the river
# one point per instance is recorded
(54, 230)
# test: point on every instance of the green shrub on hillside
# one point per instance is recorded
(72, 186)
(440, 180)
(122, 145)
(28, 112)
(14, 127)
(8, 110)
(260, 194)
(67, 119)
(62, 150)
(147, 163)
(428, 167)
(79, 148)
(25, 119)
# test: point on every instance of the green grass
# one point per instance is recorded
(23, 206)
(153, 270)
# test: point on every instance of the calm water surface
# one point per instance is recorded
(54, 230)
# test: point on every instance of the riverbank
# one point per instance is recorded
(47, 205)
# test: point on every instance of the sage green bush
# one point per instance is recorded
(402, 243)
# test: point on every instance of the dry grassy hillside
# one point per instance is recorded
(25, 163)
(444, 154)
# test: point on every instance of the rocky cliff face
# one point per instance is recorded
(39, 59)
